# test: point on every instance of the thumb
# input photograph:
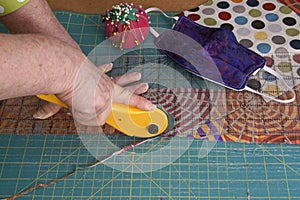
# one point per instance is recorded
(124, 96)
(46, 110)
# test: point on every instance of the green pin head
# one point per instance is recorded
(122, 13)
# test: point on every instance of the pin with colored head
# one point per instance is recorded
(126, 25)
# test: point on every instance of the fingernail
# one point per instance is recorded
(138, 75)
(146, 86)
(142, 88)
(109, 66)
(150, 105)
(135, 76)
(69, 114)
(41, 114)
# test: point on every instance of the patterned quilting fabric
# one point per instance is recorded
(268, 28)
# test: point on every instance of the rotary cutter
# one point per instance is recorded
(130, 120)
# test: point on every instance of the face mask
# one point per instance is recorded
(213, 54)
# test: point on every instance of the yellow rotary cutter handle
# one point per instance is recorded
(130, 120)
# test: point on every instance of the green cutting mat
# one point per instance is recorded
(228, 171)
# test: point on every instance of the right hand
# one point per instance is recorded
(91, 96)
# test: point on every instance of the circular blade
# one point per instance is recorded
(171, 121)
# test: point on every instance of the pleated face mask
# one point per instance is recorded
(215, 55)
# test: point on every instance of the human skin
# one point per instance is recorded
(37, 64)
(37, 17)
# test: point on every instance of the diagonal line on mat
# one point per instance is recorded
(185, 182)
(101, 188)
(141, 171)
(157, 185)
(149, 150)
(49, 170)
(280, 161)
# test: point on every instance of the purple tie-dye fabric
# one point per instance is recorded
(219, 57)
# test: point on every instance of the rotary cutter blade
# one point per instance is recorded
(130, 120)
(171, 121)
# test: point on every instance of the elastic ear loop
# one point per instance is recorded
(279, 77)
(152, 30)
(159, 10)
(267, 69)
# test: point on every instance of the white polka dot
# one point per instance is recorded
(1, 9)
(20, 1)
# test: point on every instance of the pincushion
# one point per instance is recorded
(126, 25)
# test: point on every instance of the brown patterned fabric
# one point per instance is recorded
(222, 115)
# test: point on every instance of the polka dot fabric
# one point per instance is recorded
(269, 28)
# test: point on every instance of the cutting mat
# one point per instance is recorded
(229, 171)
(187, 169)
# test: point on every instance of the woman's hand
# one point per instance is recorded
(93, 92)
(37, 17)
(37, 64)
(48, 109)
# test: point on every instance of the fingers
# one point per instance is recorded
(122, 95)
(106, 67)
(91, 96)
(127, 78)
(46, 110)
(93, 93)
(138, 89)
